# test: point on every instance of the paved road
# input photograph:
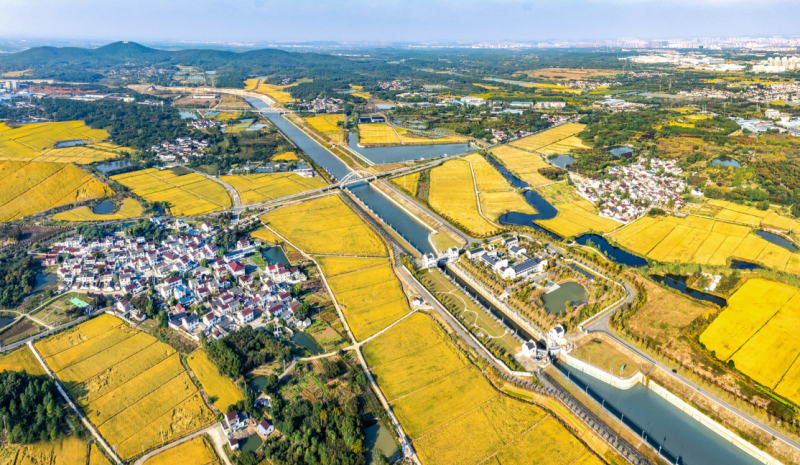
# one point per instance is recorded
(231, 190)
(185, 439)
(63, 392)
(43, 334)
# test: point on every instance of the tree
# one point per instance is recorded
(204, 263)
(272, 384)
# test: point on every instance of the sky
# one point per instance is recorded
(395, 20)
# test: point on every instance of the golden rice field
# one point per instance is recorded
(408, 137)
(30, 141)
(286, 156)
(576, 217)
(257, 188)
(198, 451)
(78, 155)
(538, 141)
(702, 241)
(451, 412)
(266, 235)
(368, 292)
(364, 95)
(21, 359)
(127, 382)
(277, 93)
(131, 208)
(325, 226)
(408, 183)
(34, 187)
(330, 125)
(452, 195)
(758, 332)
(219, 388)
(187, 195)
(66, 451)
(752, 216)
(563, 146)
(377, 134)
(524, 165)
(496, 195)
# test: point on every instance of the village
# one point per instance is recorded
(629, 191)
(182, 147)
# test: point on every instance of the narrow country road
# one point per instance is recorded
(210, 430)
(63, 392)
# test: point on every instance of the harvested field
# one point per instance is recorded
(34, 187)
(325, 226)
(524, 165)
(21, 359)
(377, 134)
(330, 125)
(577, 217)
(220, 389)
(187, 195)
(131, 208)
(22, 329)
(452, 195)
(198, 451)
(257, 188)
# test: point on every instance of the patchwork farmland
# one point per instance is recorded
(496, 195)
(377, 134)
(452, 195)
(35, 142)
(130, 385)
(256, 188)
(131, 208)
(330, 125)
(577, 217)
(187, 195)
(34, 187)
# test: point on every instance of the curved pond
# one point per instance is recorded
(740, 265)
(682, 439)
(679, 284)
(300, 338)
(562, 161)
(380, 155)
(110, 166)
(568, 293)
(615, 254)
(725, 161)
(103, 208)
(777, 240)
(618, 152)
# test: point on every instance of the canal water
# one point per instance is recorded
(777, 240)
(725, 161)
(380, 155)
(616, 254)
(556, 302)
(378, 436)
(683, 439)
(103, 208)
(679, 284)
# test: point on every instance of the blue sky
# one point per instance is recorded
(396, 20)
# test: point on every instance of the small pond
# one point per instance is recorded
(110, 166)
(725, 161)
(250, 444)
(679, 284)
(44, 280)
(556, 301)
(618, 152)
(274, 255)
(257, 383)
(378, 436)
(739, 265)
(615, 254)
(67, 143)
(103, 208)
(562, 161)
(187, 114)
(7, 320)
(777, 240)
(300, 338)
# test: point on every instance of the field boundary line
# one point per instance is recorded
(466, 366)
(99, 353)
(151, 393)
(787, 371)
(516, 438)
(34, 187)
(408, 354)
(189, 192)
(76, 345)
(121, 361)
(360, 269)
(761, 327)
(496, 395)
(478, 195)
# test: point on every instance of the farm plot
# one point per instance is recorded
(256, 188)
(131, 208)
(577, 217)
(524, 165)
(130, 385)
(31, 140)
(752, 216)
(219, 388)
(563, 146)
(496, 195)
(187, 195)
(330, 125)
(377, 134)
(543, 139)
(83, 155)
(277, 93)
(408, 183)
(702, 241)
(69, 450)
(21, 359)
(325, 226)
(198, 451)
(452, 195)
(449, 400)
(34, 187)
(410, 137)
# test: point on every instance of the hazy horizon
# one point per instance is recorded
(351, 21)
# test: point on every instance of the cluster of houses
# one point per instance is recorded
(235, 422)
(647, 183)
(329, 105)
(514, 264)
(202, 123)
(182, 147)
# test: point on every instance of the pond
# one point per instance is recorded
(399, 153)
(777, 240)
(250, 444)
(275, 255)
(725, 161)
(562, 161)
(7, 320)
(679, 284)
(108, 167)
(615, 254)
(740, 265)
(103, 208)
(257, 383)
(68, 143)
(303, 340)
(44, 280)
(378, 436)
(187, 114)
(618, 152)
(556, 302)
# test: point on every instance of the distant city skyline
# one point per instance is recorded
(261, 21)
